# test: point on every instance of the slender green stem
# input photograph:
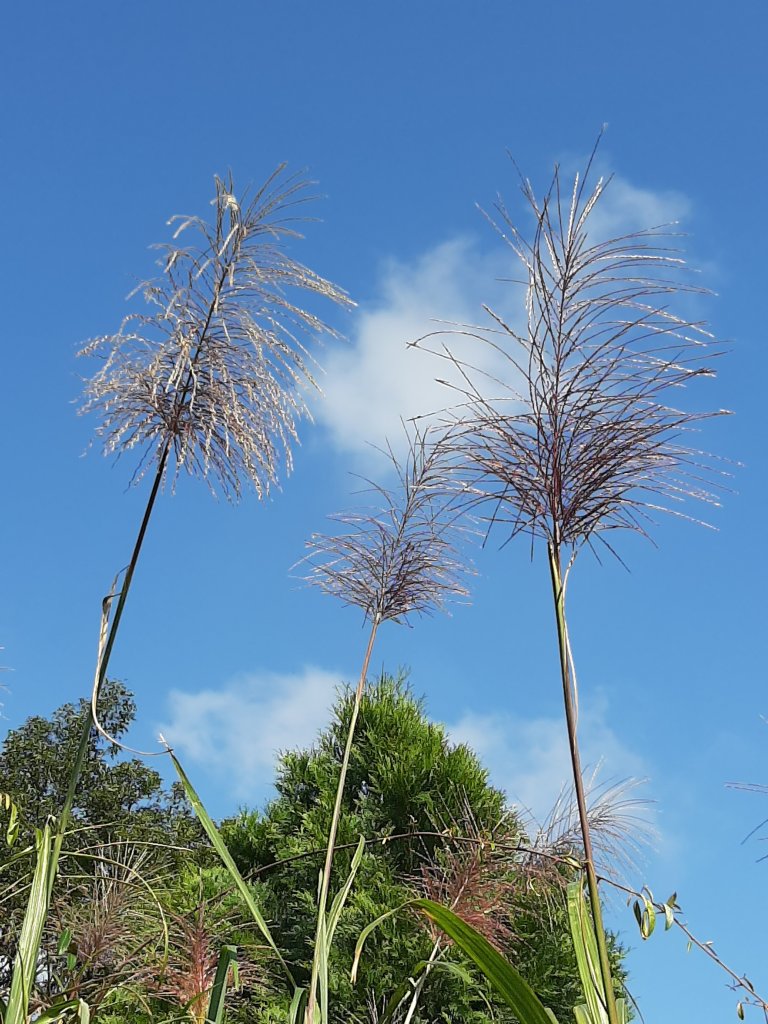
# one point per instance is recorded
(82, 750)
(558, 595)
(326, 877)
(104, 656)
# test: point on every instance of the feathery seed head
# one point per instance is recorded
(213, 374)
(401, 557)
(579, 433)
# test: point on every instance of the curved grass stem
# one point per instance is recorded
(419, 986)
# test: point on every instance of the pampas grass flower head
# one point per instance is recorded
(211, 378)
(578, 432)
(401, 556)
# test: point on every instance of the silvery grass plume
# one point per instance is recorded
(579, 435)
(475, 878)
(390, 561)
(401, 556)
(474, 873)
(212, 378)
(185, 977)
(215, 372)
(113, 924)
(619, 821)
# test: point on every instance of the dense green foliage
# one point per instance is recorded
(36, 761)
(127, 832)
(409, 793)
(135, 867)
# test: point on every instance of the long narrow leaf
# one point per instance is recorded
(12, 830)
(326, 929)
(593, 1011)
(215, 1012)
(63, 1010)
(296, 1011)
(341, 896)
(219, 845)
(25, 966)
(321, 958)
(367, 931)
(513, 989)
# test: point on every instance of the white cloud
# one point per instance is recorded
(240, 728)
(236, 732)
(377, 379)
(625, 208)
(528, 757)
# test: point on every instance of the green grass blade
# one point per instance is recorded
(341, 896)
(367, 931)
(219, 845)
(215, 1012)
(296, 1011)
(325, 931)
(321, 955)
(513, 989)
(12, 830)
(64, 1010)
(585, 946)
(587, 959)
(25, 966)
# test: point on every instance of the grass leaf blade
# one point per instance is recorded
(25, 967)
(513, 989)
(219, 990)
(226, 857)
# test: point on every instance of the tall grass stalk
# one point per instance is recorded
(207, 381)
(392, 561)
(575, 435)
(571, 716)
(210, 381)
(325, 878)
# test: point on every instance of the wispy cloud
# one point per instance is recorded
(626, 207)
(379, 380)
(240, 728)
(528, 757)
(237, 731)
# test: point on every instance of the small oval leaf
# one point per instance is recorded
(638, 915)
(650, 918)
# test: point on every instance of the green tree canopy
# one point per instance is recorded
(432, 822)
(414, 796)
(36, 761)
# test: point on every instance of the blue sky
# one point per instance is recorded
(117, 116)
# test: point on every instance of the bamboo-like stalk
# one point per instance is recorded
(103, 664)
(558, 596)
